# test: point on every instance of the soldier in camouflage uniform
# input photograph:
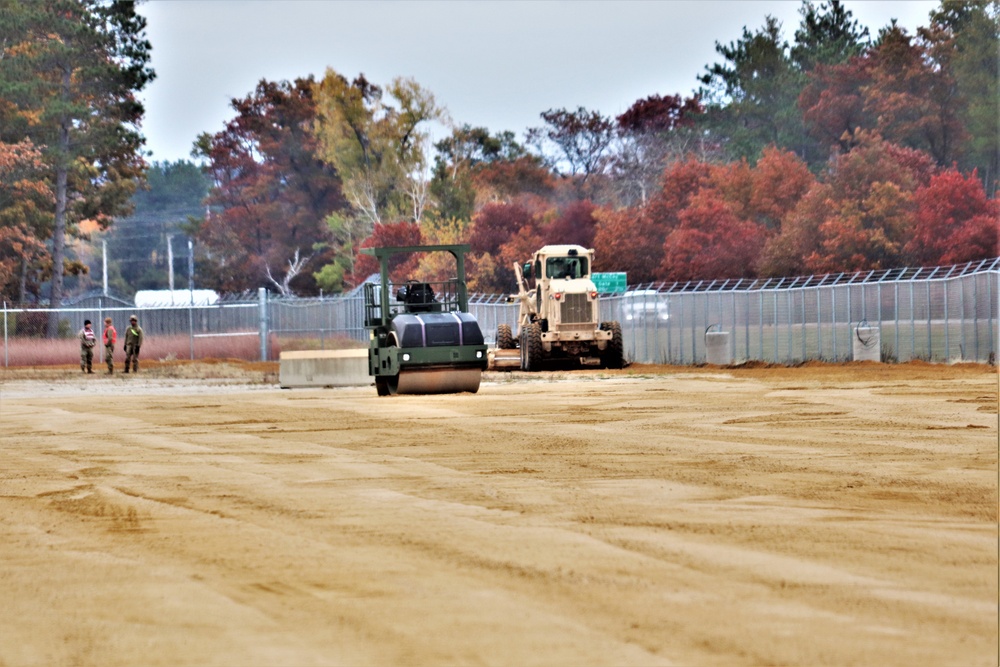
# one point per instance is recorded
(88, 339)
(133, 341)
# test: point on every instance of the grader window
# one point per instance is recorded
(569, 268)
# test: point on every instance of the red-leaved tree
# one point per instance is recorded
(955, 222)
(711, 242)
(778, 182)
(389, 235)
(631, 240)
(574, 224)
(271, 193)
(492, 227)
(898, 88)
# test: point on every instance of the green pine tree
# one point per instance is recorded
(69, 74)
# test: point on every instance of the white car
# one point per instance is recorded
(644, 305)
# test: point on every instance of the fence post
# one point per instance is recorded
(262, 301)
(895, 317)
(5, 359)
(930, 343)
(735, 322)
(760, 325)
(833, 320)
(776, 335)
(190, 327)
(804, 335)
(850, 319)
(975, 313)
(989, 306)
(961, 310)
(100, 327)
(694, 328)
(670, 324)
(791, 342)
(947, 341)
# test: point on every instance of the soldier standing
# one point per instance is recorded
(110, 336)
(88, 339)
(133, 341)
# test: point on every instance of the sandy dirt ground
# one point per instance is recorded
(821, 515)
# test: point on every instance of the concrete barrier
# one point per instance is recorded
(330, 368)
(717, 348)
(867, 344)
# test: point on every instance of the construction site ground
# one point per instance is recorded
(196, 514)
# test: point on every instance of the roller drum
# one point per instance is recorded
(436, 381)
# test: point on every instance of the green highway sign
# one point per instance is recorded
(610, 283)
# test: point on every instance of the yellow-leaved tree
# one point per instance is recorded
(377, 139)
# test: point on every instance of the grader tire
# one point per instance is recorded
(531, 347)
(614, 354)
(505, 339)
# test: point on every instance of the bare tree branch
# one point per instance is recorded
(295, 266)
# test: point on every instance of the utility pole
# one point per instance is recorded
(104, 262)
(191, 269)
(170, 263)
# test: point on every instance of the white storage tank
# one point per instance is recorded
(153, 298)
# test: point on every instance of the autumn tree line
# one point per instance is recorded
(824, 150)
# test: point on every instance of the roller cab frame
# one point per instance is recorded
(422, 339)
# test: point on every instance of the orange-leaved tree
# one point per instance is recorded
(861, 216)
(25, 202)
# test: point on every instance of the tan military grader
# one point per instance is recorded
(558, 318)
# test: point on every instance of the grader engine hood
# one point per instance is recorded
(569, 286)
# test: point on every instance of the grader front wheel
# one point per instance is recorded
(531, 347)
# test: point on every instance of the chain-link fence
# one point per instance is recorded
(941, 314)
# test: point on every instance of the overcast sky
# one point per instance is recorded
(496, 64)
